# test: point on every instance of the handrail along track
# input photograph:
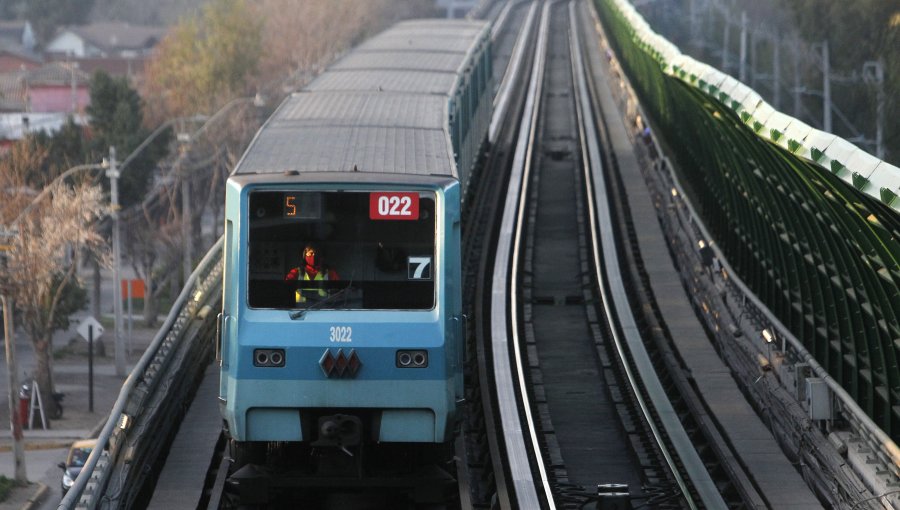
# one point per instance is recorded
(139, 400)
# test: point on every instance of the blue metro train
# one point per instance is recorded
(342, 313)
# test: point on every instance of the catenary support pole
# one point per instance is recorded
(798, 89)
(187, 237)
(725, 42)
(743, 64)
(776, 72)
(826, 88)
(91, 369)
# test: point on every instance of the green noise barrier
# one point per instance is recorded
(810, 222)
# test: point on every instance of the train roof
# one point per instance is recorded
(379, 80)
(438, 61)
(361, 109)
(442, 42)
(383, 149)
(381, 108)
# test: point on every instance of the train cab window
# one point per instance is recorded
(341, 250)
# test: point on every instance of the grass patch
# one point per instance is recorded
(108, 323)
(62, 352)
(6, 486)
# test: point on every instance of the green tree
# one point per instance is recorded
(205, 60)
(117, 120)
(66, 148)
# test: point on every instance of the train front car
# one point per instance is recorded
(342, 312)
(341, 330)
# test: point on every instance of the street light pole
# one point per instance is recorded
(15, 423)
(113, 174)
(184, 140)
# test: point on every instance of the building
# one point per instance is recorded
(14, 58)
(14, 126)
(17, 42)
(19, 33)
(119, 49)
(56, 87)
(41, 99)
(12, 92)
(105, 40)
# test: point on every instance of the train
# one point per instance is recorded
(342, 324)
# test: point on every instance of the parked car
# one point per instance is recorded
(78, 455)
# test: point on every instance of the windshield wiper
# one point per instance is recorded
(298, 314)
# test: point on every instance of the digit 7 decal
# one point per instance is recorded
(393, 206)
(418, 268)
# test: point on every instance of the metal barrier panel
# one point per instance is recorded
(810, 222)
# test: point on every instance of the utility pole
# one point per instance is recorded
(188, 238)
(113, 174)
(725, 42)
(797, 88)
(695, 24)
(743, 67)
(776, 73)
(826, 88)
(879, 115)
(15, 422)
(873, 73)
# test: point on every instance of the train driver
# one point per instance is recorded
(311, 268)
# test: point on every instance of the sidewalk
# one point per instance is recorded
(70, 371)
(46, 448)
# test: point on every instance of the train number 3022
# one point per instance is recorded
(341, 334)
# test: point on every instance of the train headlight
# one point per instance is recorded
(412, 359)
(268, 358)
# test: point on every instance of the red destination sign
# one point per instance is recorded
(393, 206)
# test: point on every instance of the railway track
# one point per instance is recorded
(576, 396)
(555, 458)
(143, 423)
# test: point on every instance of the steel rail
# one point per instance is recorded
(500, 22)
(502, 301)
(504, 92)
(606, 251)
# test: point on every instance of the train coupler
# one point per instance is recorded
(340, 431)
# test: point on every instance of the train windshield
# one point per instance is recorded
(328, 250)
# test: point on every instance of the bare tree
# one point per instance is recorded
(153, 245)
(40, 270)
(301, 38)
